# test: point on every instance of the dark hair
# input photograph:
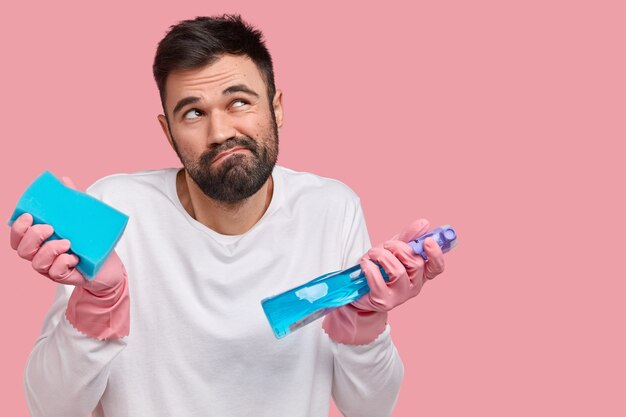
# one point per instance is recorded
(192, 44)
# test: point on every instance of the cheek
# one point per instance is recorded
(185, 149)
(250, 127)
(188, 138)
(254, 124)
(186, 133)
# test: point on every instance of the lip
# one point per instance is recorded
(228, 152)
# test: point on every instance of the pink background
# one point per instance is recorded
(505, 120)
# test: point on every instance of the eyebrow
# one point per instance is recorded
(237, 88)
(183, 102)
(240, 88)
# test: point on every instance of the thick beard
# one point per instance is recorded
(239, 176)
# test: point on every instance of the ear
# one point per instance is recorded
(277, 103)
(166, 130)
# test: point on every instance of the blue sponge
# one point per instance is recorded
(92, 227)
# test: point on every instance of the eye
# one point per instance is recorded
(236, 104)
(192, 114)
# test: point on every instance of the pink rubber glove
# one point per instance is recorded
(99, 308)
(362, 321)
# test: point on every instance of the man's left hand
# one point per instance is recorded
(407, 271)
(362, 321)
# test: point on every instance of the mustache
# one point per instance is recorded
(241, 141)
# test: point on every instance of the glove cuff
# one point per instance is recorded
(103, 315)
(351, 326)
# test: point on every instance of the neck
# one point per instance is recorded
(224, 218)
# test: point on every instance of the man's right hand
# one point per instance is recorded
(99, 308)
(51, 259)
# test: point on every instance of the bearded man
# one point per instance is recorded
(172, 324)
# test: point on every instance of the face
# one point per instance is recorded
(223, 127)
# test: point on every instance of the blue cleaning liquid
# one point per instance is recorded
(295, 308)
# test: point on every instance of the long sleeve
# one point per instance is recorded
(67, 372)
(366, 379)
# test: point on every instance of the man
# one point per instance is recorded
(204, 244)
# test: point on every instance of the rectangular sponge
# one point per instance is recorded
(92, 227)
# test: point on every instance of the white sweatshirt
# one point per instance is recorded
(199, 343)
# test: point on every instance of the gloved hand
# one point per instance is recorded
(361, 322)
(99, 308)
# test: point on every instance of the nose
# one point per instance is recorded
(220, 127)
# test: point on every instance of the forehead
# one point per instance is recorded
(212, 79)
